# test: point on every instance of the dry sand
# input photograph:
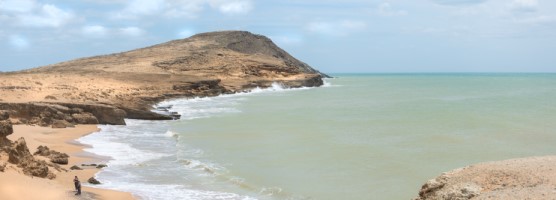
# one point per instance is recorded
(15, 185)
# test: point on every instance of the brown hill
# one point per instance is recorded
(206, 64)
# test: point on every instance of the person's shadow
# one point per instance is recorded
(84, 195)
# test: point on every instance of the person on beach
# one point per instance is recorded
(77, 184)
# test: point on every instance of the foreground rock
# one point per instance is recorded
(55, 156)
(524, 178)
(18, 154)
(106, 89)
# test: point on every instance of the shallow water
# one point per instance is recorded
(359, 137)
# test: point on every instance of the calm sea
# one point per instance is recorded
(359, 137)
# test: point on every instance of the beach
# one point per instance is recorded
(15, 185)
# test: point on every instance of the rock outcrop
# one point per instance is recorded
(64, 114)
(55, 156)
(525, 178)
(18, 154)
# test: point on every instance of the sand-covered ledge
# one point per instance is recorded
(16, 185)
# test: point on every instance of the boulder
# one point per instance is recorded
(101, 166)
(93, 180)
(55, 156)
(42, 151)
(2, 166)
(37, 168)
(85, 118)
(61, 124)
(59, 158)
(4, 115)
(5, 128)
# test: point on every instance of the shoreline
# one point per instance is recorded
(61, 187)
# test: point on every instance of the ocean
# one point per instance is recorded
(360, 136)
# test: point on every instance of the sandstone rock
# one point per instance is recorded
(5, 128)
(32, 167)
(59, 158)
(4, 115)
(42, 151)
(94, 181)
(85, 118)
(19, 152)
(61, 124)
(55, 156)
(2, 166)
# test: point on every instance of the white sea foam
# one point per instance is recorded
(164, 192)
(104, 144)
(171, 134)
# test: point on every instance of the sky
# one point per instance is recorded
(370, 36)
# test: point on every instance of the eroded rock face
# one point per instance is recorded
(19, 155)
(525, 178)
(55, 156)
(19, 152)
(65, 114)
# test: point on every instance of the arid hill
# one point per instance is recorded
(104, 89)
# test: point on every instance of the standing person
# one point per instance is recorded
(77, 184)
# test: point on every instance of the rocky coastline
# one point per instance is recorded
(107, 89)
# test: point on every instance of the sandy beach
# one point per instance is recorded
(16, 185)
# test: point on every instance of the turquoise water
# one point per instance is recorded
(359, 137)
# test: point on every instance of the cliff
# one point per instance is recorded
(110, 87)
(524, 178)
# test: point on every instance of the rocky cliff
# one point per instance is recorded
(524, 178)
(108, 88)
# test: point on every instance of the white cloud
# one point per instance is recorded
(543, 19)
(339, 28)
(525, 5)
(137, 8)
(232, 7)
(131, 31)
(19, 42)
(385, 9)
(187, 9)
(17, 5)
(32, 14)
(47, 16)
(94, 31)
(180, 8)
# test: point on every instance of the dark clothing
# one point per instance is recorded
(77, 186)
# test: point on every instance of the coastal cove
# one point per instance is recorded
(364, 136)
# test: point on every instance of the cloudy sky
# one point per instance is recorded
(330, 35)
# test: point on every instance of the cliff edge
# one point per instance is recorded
(523, 178)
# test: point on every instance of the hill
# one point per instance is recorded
(205, 64)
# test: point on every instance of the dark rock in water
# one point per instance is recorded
(102, 166)
(94, 181)
(75, 167)
(89, 165)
